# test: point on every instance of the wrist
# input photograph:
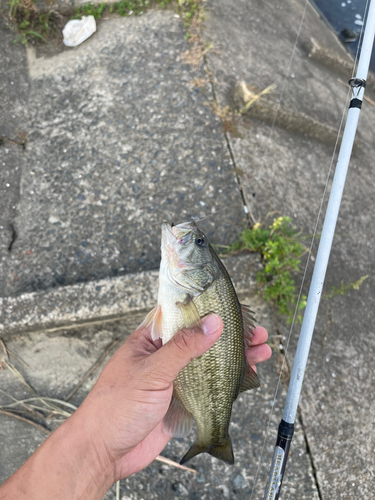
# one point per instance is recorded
(70, 465)
(83, 434)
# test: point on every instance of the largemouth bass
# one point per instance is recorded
(193, 282)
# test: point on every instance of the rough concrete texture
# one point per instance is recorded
(14, 88)
(284, 173)
(59, 359)
(99, 300)
(120, 140)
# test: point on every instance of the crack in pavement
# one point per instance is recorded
(249, 216)
(309, 453)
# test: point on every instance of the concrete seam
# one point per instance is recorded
(308, 449)
(236, 176)
(309, 453)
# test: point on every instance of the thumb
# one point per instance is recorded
(186, 345)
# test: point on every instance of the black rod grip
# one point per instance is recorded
(284, 438)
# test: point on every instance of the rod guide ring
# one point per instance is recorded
(357, 83)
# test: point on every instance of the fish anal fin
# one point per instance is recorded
(248, 324)
(250, 380)
(177, 421)
(222, 451)
(189, 312)
(154, 320)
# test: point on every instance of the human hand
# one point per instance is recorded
(127, 404)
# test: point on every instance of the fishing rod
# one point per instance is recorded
(286, 427)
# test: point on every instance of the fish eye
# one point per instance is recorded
(199, 241)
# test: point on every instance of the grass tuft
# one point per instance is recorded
(281, 249)
(88, 9)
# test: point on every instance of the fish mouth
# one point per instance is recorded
(179, 233)
(167, 236)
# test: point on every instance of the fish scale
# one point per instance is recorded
(226, 357)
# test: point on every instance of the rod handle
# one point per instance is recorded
(284, 438)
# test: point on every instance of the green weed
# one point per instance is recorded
(88, 9)
(24, 24)
(129, 7)
(192, 12)
(343, 289)
(44, 22)
(281, 249)
(163, 3)
(13, 6)
(24, 37)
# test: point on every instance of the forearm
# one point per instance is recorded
(69, 465)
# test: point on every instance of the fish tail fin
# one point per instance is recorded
(222, 451)
(195, 449)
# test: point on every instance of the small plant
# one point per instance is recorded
(13, 6)
(192, 12)
(129, 7)
(20, 6)
(24, 24)
(281, 249)
(44, 20)
(343, 289)
(88, 9)
(163, 3)
(24, 37)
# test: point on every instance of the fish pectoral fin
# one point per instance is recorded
(250, 380)
(248, 324)
(177, 421)
(222, 451)
(189, 312)
(154, 320)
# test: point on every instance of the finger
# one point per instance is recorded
(186, 345)
(139, 343)
(257, 354)
(260, 336)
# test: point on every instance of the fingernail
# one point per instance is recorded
(211, 324)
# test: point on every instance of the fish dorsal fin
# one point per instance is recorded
(189, 312)
(248, 324)
(154, 320)
(250, 380)
(177, 421)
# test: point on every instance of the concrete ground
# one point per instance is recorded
(119, 138)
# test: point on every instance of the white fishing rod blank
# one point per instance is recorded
(286, 427)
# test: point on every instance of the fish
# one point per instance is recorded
(193, 282)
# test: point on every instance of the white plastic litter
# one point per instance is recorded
(78, 30)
